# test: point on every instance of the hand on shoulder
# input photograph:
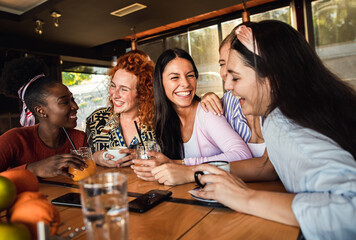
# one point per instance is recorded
(211, 102)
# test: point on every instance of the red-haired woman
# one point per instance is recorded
(130, 99)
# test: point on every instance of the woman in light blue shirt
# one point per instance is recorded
(309, 130)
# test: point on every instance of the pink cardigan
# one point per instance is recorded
(217, 140)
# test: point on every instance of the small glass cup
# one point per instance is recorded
(150, 145)
(142, 152)
(85, 153)
(104, 206)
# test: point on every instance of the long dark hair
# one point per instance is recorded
(302, 88)
(167, 122)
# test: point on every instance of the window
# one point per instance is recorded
(153, 49)
(90, 92)
(334, 24)
(281, 14)
(203, 45)
(226, 27)
(178, 41)
(204, 49)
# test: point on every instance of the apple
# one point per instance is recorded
(14, 231)
(7, 193)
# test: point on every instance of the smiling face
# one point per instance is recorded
(223, 56)
(179, 82)
(241, 80)
(60, 109)
(123, 92)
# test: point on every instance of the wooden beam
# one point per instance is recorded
(205, 16)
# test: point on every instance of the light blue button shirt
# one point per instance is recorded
(320, 172)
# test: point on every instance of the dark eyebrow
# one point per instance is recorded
(232, 72)
(65, 96)
(221, 60)
(173, 73)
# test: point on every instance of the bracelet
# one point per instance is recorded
(183, 163)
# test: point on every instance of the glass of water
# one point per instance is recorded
(104, 205)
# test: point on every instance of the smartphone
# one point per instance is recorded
(69, 199)
(148, 200)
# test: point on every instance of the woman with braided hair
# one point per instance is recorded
(42, 148)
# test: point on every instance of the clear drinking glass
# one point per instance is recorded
(85, 153)
(105, 207)
(150, 145)
(142, 152)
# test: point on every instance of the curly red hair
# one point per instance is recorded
(138, 63)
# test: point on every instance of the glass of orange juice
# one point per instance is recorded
(85, 152)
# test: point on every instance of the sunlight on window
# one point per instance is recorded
(90, 92)
(281, 14)
(335, 36)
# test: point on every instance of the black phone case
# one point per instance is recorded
(69, 199)
(148, 200)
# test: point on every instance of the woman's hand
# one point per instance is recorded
(223, 187)
(57, 165)
(98, 158)
(211, 102)
(122, 162)
(233, 193)
(143, 167)
(127, 160)
(173, 174)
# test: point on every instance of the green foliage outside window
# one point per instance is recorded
(72, 78)
(334, 21)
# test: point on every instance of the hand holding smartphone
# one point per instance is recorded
(148, 200)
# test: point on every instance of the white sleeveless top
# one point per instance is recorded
(191, 148)
(257, 149)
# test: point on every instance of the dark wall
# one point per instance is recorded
(10, 107)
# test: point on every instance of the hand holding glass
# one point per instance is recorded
(149, 146)
(85, 153)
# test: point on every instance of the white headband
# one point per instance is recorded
(27, 118)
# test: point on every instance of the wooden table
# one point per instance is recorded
(171, 220)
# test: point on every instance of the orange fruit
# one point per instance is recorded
(34, 210)
(23, 197)
(14, 231)
(7, 192)
(23, 179)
